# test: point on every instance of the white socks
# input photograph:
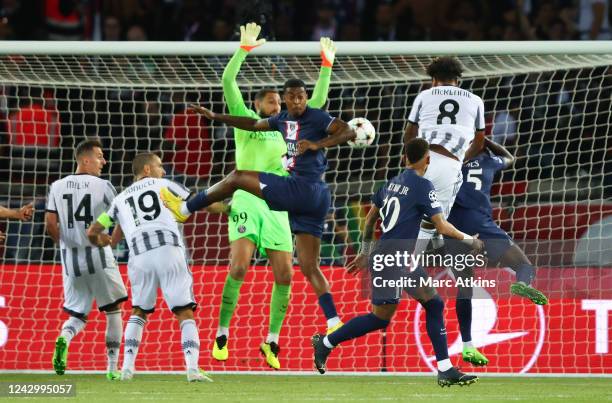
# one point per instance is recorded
(190, 343)
(114, 328)
(72, 327)
(468, 344)
(444, 365)
(132, 338)
(222, 331)
(272, 338)
(326, 343)
(332, 322)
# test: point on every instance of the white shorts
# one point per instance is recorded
(166, 268)
(104, 285)
(445, 175)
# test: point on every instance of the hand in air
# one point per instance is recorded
(328, 52)
(26, 212)
(202, 111)
(248, 36)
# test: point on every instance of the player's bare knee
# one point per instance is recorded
(136, 311)
(238, 271)
(183, 314)
(283, 276)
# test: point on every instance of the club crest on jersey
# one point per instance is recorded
(292, 130)
(242, 229)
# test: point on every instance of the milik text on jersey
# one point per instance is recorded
(76, 185)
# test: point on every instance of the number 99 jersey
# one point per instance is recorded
(448, 116)
(146, 223)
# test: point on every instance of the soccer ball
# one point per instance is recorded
(365, 132)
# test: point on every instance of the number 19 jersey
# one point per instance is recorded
(146, 223)
(448, 116)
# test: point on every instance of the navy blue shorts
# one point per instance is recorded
(307, 201)
(392, 296)
(470, 221)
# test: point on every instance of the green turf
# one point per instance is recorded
(327, 388)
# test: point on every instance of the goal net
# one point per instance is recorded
(551, 110)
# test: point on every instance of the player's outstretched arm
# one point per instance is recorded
(231, 92)
(240, 122)
(445, 228)
(23, 214)
(500, 151)
(328, 54)
(339, 132)
(367, 243)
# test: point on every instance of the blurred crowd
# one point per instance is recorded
(289, 20)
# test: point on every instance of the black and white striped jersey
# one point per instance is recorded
(146, 223)
(448, 116)
(77, 200)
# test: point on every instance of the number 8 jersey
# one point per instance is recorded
(146, 223)
(448, 116)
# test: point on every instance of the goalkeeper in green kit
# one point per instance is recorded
(251, 222)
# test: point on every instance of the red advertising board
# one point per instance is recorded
(570, 335)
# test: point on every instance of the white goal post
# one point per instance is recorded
(549, 102)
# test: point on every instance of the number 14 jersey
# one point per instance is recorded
(448, 116)
(146, 223)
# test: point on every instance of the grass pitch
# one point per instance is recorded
(327, 388)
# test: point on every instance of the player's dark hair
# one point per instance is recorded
(140, 160)
(416, 149)
(86, 146)
(445, 68)
(293, 83)
(261, 94)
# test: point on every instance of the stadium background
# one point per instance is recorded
(555, 201)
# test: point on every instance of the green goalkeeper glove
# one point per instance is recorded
(248, 36)
(328, 52)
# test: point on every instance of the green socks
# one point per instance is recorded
(278, 306)
(231, 292)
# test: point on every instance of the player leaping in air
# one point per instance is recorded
(401, 203)
(303, 193)
(451, 119)
(472, 213)
(252, 224)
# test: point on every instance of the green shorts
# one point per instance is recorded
(252, 218)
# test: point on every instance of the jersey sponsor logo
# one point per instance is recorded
(292, 130)
(519, 336)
